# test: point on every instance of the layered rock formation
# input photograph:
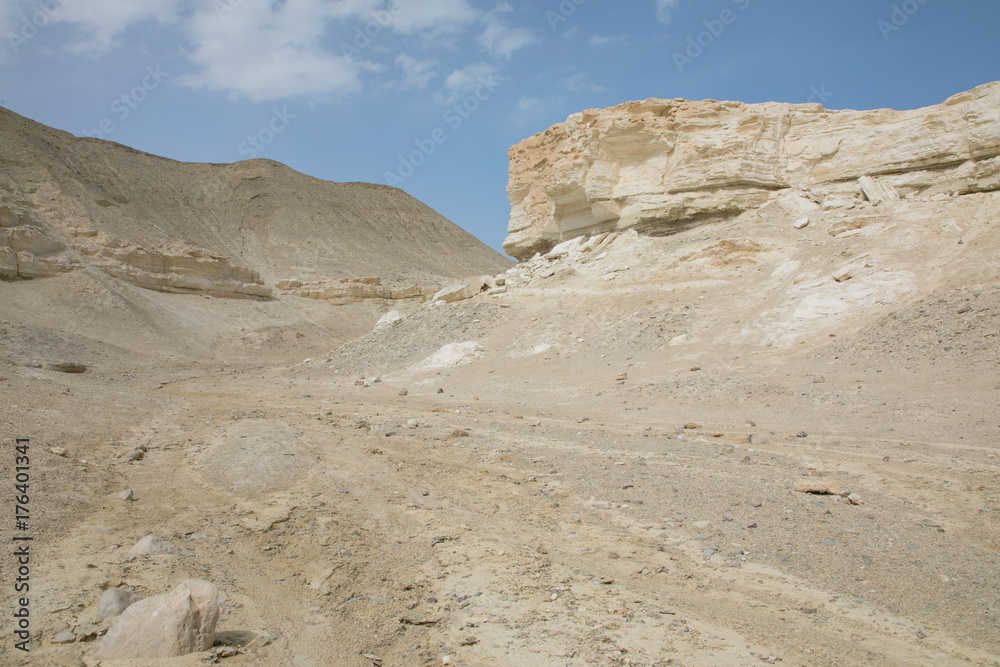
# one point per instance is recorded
(29, 250)
(660, 166)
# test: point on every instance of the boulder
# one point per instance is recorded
(164, 626)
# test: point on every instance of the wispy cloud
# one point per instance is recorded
(416, 73)
(602, 40)
(500, 39)
(100, 22)
(578, 84)
(433, 15)
(526, 103)
(466, 80)
(665, 8)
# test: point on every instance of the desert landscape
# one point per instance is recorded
(735, 403)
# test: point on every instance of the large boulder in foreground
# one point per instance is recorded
(660, 166)
(164, 626)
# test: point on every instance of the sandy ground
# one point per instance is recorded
(611, 484)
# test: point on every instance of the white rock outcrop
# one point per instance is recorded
(660, 166)
(164, 626)
(465, 289)
(454, 354)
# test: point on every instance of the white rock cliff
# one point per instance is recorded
(660, 166)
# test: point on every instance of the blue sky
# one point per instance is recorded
(429, 94)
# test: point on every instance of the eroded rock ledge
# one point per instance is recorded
(29, 251)
(659, 166)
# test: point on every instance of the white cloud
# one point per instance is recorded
(500, 39)
(601, 40)
(431, 15)
(664, 9)
(101, 21)
(467, 80)
(265, 51)
(416, 73)
(578, 84)
(526, 103)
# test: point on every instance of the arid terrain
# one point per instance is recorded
(605, 474)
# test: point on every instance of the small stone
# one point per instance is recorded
(855, 499)
(801, 223)
(59, 451)
(440, 391)
(690, 426)
(459, 433)
(819, 379)
(64, 637)
(622, 377)
(757, 440)
(818, 486)
(134, 455)
(359, 383)
(801, 434)
(695, 368)
(151, 545)
(404, 391)
(717, 434)
(126, 494)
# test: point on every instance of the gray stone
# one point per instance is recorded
(114, 602)
(151, 545)
(64, 637)
(177, 623)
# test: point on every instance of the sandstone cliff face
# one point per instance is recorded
(660, 166)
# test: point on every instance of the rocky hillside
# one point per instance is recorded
(660, 166)
(238, 230)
